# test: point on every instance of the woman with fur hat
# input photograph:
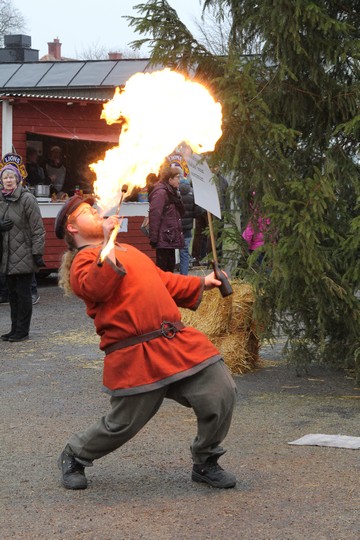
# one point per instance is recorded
(23, 240)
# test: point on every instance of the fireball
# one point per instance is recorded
(157, 111)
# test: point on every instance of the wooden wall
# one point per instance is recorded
(41, 115)
(136, 237)
(81, 117)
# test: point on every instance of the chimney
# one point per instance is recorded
(18, 49)
(55, 49)
(115, 56)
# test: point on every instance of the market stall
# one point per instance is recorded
(130, 232)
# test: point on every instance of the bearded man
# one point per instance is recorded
(149, 354)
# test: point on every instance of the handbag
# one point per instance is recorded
(145, 226)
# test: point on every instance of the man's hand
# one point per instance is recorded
(39, 261)
(211, 282)
(6, 224)
(109, 225)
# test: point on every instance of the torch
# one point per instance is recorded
(111, 242)
(225, 287)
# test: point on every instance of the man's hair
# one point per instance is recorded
(66, 262)
(151, 179)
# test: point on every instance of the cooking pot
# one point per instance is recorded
(41, 190)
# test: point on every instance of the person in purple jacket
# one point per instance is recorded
(165, 211)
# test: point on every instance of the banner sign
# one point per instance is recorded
(205, 192)
(16, 160)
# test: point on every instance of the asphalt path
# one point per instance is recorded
(51, 387)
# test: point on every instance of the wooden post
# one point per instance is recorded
(212, 236)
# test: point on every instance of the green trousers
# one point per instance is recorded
(210, 393)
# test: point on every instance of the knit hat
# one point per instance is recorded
(13, 169)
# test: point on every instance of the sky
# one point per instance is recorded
(83, 25)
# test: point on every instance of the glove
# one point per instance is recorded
(39, 261)
(6, 224)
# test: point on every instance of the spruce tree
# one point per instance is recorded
(290, 92)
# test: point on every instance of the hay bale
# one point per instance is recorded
(228, 323)
(242, 306)
(240, 350)
(213, 316)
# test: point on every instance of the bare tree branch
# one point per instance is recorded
(95, 51)
(214, 31)
(11, 20)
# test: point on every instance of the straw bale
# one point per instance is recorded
(213, 316)
(228, 323)
(242, 306)
(240, 351)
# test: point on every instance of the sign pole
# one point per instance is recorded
(212, 237)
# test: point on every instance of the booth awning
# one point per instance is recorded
(112, 138)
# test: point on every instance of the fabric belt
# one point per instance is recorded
(167, 330)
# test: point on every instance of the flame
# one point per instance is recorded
(158, 111)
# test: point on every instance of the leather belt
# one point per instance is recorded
(167, 330)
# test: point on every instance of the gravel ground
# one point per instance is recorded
(50, 387)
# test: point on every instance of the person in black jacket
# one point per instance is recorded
(35, 173)
(192, 211)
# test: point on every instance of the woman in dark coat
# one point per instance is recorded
(165, 212)
(23, 239)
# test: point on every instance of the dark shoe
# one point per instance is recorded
(4, 300)
(35, 298)
(211, 473)
(5, 337)
(16, 337)
(72, 470)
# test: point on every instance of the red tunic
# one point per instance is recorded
(133, 298)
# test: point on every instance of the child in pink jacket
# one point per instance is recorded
(255, 237)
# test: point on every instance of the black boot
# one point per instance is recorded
(211, 473)
(18, 337)
(5, 337)
(72, 470)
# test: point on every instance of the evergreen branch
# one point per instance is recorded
(171, 43)
(291, 134)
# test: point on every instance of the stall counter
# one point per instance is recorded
(133, 214)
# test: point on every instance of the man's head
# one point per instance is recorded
(151, 180)
(56, 155)
(79, 221)
(31, 154)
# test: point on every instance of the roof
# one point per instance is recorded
(76, 135)
(51, 58)
(51, 97)
(69, 74)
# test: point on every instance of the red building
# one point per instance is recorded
(59, 102)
